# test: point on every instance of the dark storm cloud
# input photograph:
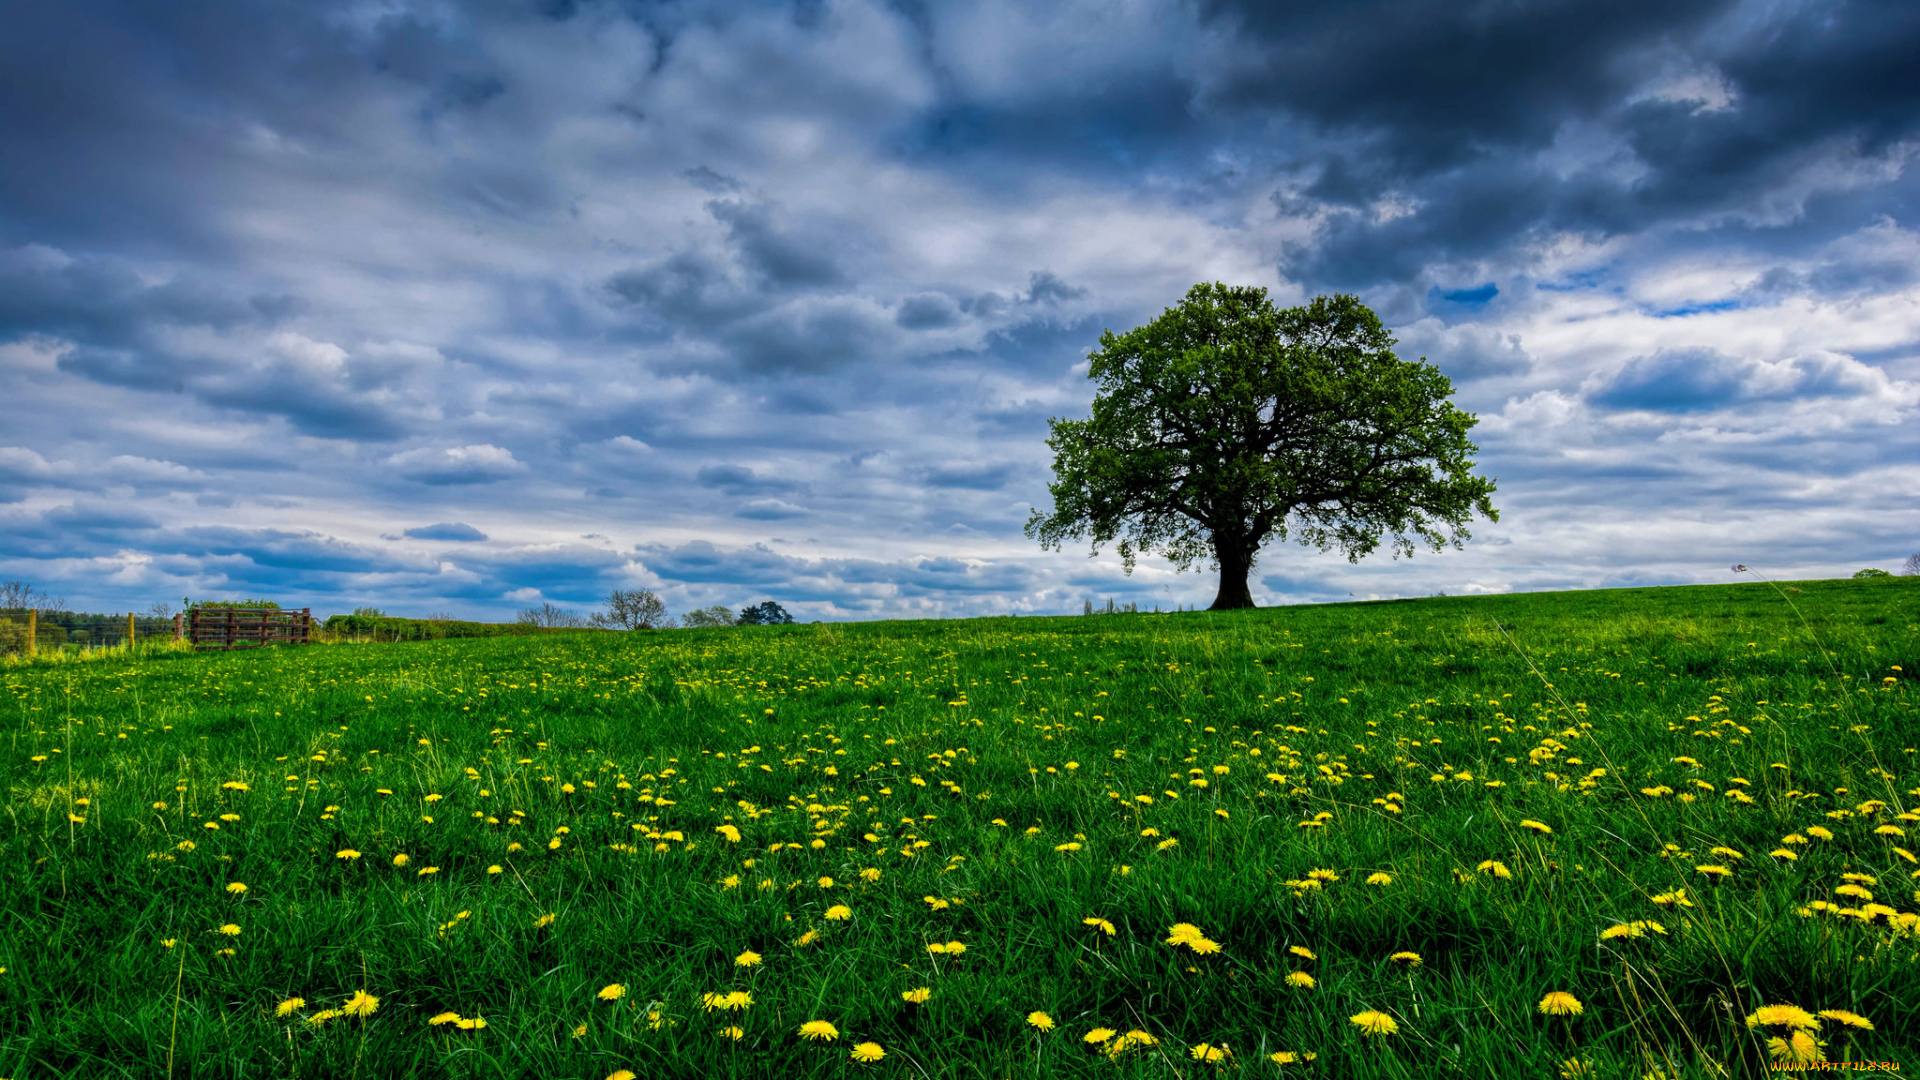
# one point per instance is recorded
(1601, 119)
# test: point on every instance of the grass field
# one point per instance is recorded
(1355, 840)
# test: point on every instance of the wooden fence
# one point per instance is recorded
(244, 628)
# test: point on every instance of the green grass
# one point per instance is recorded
(956, 759)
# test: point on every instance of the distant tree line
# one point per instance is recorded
(642, 609)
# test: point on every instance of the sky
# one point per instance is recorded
(455, 308)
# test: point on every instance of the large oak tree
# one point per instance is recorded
(1227, 422)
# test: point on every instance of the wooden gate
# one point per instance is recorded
(246, 628)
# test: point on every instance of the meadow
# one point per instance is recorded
(1654, 832)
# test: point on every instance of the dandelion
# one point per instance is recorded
(322, 1016)
(346, 853)
(289, 1006)
(361, 1004)
(1380, 879)
(1713, 870)
(734, 1032)
(1098, 1035)
(621, 1074)
(494, 869)
(1782, 1016)
(917, 996)
(1411, 959)
(236, 887)
(1561, 1003)
(1540, 827)
(806, 939)
(747, 959)
(1302, 951)
(1209, 1054)
(1288, 1057)
(1102, 925)
(471, 1023)
(1842, 1016)
(444, 1018)
(1374, 1022)
(612, 992)
(819, 1031)
(1040, 1020)
(400, 859)
(868, 1052)
(1676, 898)
(1798, 1048)
(543, 921)
(1495, 868)
(1301, 980)
(870, 874)
(230, 929)
(838, 913)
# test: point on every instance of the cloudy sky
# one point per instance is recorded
(455, 307)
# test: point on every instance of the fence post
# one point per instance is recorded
(176, 626)
(33, 631)
(129, 631)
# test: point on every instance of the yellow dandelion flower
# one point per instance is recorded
(1537, 826)
(1842, 1016)
(1374, 1022)
(444, 1018)
(1411, 959)
(1561, 1003)
(1380, 879)
(806, 939)
(544, 920)
(471, 1023)
(868, 1051)
(361, 1004)
(1102, 925)
(612, 992)
(1181, 933)
(1798, 1048)
(321, 1017)
(1209, 1053)
(230, 929)
(1098, 1035)
(819, 1031)
(734, 1032)
(1302, 951)
(1040, 1020)
(838, 913)
(1288, 1057)
(1782, 1016)
(621, 1074)
(346, 853)
(956, 948)
(236, 887)
(400, 859)
(746, 959)
(287, 1007)
(917, 996)
(1300, 979)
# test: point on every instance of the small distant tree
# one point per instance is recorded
(633, 609)
(1870, 572)
(708, 617)
(550, 616)
(1911, 568)
(161, 610)
(370, 612)
(764, 614)
(22, 594)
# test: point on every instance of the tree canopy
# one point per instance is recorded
(1227, 422)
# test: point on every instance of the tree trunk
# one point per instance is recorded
(1236, 562)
